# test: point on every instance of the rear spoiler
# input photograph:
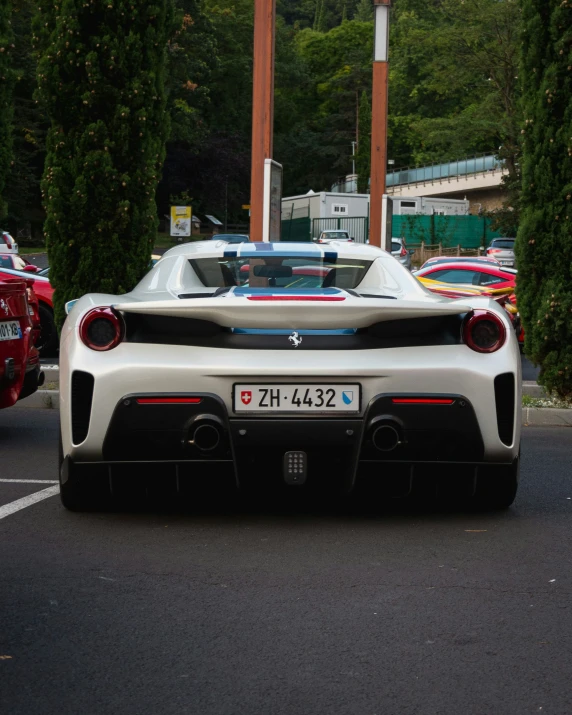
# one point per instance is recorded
(296, 314)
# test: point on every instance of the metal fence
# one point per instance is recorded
(477, 164)
(358, 228)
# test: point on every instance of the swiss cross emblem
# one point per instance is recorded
(246, 397)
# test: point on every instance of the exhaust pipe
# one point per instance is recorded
(386, 434)
(205, 433)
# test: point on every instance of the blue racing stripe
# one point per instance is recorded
(287, 291)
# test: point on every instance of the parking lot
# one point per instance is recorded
(283, 610)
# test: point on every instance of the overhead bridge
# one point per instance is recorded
(478, 173)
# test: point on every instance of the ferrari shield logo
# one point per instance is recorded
(246, 397)
(348, 397)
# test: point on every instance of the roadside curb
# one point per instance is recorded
(546, 417)
(533, 389)
(531, 416)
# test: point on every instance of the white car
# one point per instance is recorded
(334, 235)
(298, 364)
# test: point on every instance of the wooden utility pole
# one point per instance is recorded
(262, 108)
(379, 112)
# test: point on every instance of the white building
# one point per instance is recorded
(329, 205)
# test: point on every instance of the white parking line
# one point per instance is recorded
(15, 506)
(29, 481)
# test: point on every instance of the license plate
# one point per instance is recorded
(506, 263)
(10, 330)
(298, 398)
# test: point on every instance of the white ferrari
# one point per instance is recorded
(300, 365)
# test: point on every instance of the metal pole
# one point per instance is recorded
(262, 107)
(379, 111)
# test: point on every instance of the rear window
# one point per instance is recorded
(335, 234)
(503, 243)
(286, 272)
(395, 246)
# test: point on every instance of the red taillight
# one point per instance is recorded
(484, 332)
(493, 250)
(422, 401)
(102, 329)
(403, 253)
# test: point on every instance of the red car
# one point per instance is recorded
(478, 273)
(47, 343)
(481, 273)
(20, 373)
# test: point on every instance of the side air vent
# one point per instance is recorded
(81, 399)
(505, 396)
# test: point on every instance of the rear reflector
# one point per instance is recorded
(307, 298)
(422, 401)
(169, 400)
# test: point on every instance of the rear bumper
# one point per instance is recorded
(153, 369)
(202, 439)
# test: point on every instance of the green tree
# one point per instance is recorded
(22, 190)
(6, 88)
(363, 157)
(364, 11)
(101, 77)
(544, 243)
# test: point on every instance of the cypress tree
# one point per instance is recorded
(6, 89)
(544, 242)
(101, 78)
(363, 154)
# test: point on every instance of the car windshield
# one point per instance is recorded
(506, 243)
(45, 272)
(288, 272)
(5, 261)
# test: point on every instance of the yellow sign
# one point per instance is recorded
(181, 220)
(246, 207)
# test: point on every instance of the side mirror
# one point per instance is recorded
(411, 251)
(31, 269)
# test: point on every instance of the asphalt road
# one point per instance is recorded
(287, 612)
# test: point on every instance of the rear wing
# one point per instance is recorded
(295, 312)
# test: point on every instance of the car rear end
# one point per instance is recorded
(364, 387)
(502, 250)
(400, 252)
(16, 340)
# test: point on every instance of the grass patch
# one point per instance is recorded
(554, 402)
(27, 250)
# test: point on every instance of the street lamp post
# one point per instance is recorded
(262, 108)
(379, 102)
